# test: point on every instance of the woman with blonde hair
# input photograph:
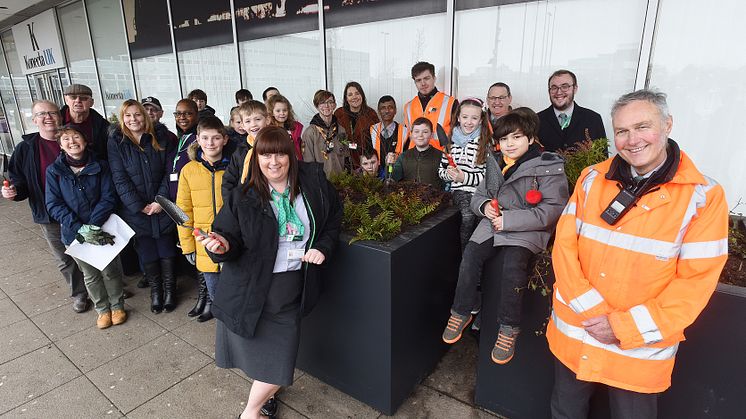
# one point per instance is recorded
(139, 167)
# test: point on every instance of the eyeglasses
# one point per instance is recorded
(183, 114)
(328, 103)
(497, 98)
(564, 87)
(82, 98)
(50, 114)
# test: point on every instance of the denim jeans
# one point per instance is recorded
(211, 279)
(512, 274)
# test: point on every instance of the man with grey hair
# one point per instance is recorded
(637, 254)
(27, 170)
(78, 112)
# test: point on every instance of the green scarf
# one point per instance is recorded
(287, 218)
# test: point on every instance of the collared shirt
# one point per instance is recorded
(389, 130)
(648, 174)
(567, 112)
(282, 263)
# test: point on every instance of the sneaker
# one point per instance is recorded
(269, 408)
(456, 325)
(80, 305)
(104, 320)
(504, 348)
(118, 317)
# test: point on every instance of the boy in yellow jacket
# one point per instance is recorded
(200, 198)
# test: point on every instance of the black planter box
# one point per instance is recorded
(708, 379)
(376, 332)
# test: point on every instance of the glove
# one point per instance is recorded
(191, 258)
(93, 235)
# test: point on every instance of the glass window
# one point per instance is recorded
(702, 73)
(156, 76)
(112, 57)
(20, 84)
(80, 61)
(522, 44)
(12, 128)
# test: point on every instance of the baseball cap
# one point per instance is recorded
(150, 100)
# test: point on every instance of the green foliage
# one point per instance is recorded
(582, 155)
(373, 211)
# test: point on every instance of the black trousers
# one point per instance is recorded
(512, 274)
(570, 398)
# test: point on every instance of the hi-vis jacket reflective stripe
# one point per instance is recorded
(438, 111)
(652, 274)
(401, 137)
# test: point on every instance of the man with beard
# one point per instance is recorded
(565, 122)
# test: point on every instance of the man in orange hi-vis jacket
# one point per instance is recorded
(430, 103)
(637, 255)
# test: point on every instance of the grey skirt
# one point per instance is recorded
(269, 355)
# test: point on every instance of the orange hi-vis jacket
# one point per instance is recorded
(438, 111)
(401, 137)
(652, 274)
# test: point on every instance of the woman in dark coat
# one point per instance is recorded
(138, 160)
(356, 117)
(270, 235)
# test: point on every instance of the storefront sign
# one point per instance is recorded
(38, 43)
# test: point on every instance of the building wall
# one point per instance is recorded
(164, 48)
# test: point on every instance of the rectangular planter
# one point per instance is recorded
(708, 379)
(375, 333)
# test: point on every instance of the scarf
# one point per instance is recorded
(509, 166)
(460, 139)
(78, 163)
(289, 224)
(247, 159)
(326, 131)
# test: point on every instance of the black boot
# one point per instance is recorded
(143, 282)
(207, 312)
(153, 273)
(199, 306)
(169, 284)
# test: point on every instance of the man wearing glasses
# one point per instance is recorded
(565, 122)
(78, 113)
(27, 170)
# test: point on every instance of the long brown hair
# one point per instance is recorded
(274, 100)
(148, 124)
(273, 140)
(484, 125)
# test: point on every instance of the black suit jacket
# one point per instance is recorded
(583, 121)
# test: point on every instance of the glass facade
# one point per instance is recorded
(165, 48)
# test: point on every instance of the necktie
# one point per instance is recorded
(564, 120)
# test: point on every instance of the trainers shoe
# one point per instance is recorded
(456, 325)
(104, 320)
(80, 305)
(269, 408)
(504, 347)
(118, 317)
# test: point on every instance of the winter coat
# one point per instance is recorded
(651, 274)
(524, 224)
(86, 198)
(100, 128)
(23, 170)
(584, 124)
(200, 198)
(360, 135)
(466, 159)
(250, 227)
(314, 145)
(232, 174)
(139, 174)
(419, 166)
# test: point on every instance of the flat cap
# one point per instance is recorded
(78, 89)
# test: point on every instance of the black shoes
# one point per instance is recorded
(153, 273)
(143, 282)
(270, 408)
(199, 306)
(168, 273)
(80, 304)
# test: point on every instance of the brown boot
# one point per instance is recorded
(118, 317)
(104, 320)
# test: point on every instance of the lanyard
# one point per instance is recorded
(182, 141)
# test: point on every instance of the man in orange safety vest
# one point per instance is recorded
(436, 106)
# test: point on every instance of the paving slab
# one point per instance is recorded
(47, 297)
(456, 373)
(199, 335)
(9, 312)
(19, 339)
(315, 399)
(428, 403)
(92, 347)
(140, 301)
(62, 322)
(32, 375)
(210, 392)
(139, 375)
(3, 295)
(77, 399)
(34, 274)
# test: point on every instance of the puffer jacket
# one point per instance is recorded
(525, 225)
(139, 174)
(86, 198)
(200, 198)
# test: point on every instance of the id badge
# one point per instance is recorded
(294, 254)
(352, 146)
(174, 177)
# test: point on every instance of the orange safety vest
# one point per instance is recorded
(438, 111)
(375, 136)
(652, 273)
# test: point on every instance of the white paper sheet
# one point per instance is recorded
(100, 256)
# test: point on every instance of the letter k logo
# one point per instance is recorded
(34, 44)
